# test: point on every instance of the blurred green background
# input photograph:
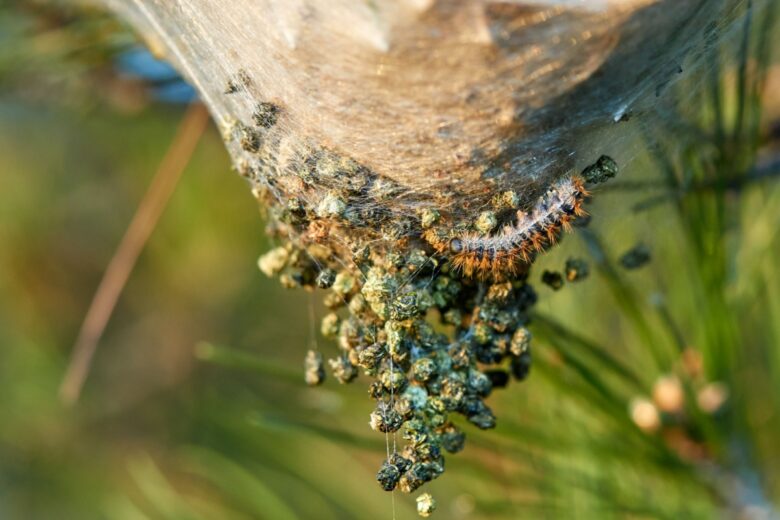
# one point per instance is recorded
(655, 393)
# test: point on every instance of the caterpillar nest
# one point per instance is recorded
(398, 147)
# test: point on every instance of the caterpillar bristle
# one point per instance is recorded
(566, 223)
(551, 234)
(537, 241)
(502, 255)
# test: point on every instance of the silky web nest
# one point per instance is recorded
(414, 157)
(362, 114)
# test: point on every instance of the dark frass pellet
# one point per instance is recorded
(479, 414)
(388, 476)
(393, 380)
(343, 369)
(479, 383)
(385, 419)
(498, 378)
(376, 390)
(231, 87)
(423, 369)
(460, 355)
(325, 278)
(294, 212)
(400, 462)
(404, 307)
(521, 366)
(371, 355)
(636, 257)
(418, 474)
(404, 407)
(552, 279)
(452, 439)
(265, 114)
(239, 81)
(602, 170)
(250, 140)
(526, 296)
(576, 269)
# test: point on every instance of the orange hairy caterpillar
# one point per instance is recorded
(503, 254)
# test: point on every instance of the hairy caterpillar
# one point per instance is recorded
(502, 254)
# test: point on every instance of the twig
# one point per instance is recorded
(177, 157)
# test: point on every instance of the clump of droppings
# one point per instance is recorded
(421, 377)
(433, 342)
(636, 257)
